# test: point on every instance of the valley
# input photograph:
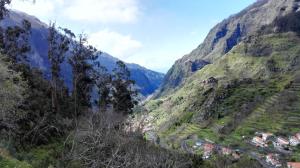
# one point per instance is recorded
(252, 88)
(232, 102)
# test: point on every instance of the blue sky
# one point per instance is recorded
(152, 33)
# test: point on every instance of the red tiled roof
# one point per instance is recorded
(298, 135)
(209, 147)
(293, 164)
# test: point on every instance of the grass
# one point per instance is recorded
(296, 156)
(43, 156)
(179, 115)
(7, 161)
(47, 156)
(13, 163)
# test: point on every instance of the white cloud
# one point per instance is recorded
(105, 11)
(118, 45)
(41, 8)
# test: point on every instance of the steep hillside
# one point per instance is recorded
(224, 36)
(147, 81)
(237, 95)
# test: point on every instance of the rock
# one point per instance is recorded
(224, 36)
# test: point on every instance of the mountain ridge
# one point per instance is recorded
(224, 36)
(249, 87)
(147, 81)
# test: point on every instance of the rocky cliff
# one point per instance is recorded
(224, 36)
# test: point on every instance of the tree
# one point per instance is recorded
(102, 81)
(13, 92)
(58, 47)
(123, 93)
(81, 60)
(3, 13)
(15, 42)
(3, 9)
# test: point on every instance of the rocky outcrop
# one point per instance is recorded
(227, 34)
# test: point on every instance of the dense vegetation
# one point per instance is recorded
(45, 124)
(254, 87)
(242, 93)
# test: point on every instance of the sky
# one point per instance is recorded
(152, 33)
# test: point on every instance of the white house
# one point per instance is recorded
(282, 141)
(259, 142)
(294, 141)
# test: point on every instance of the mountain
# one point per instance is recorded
(147, 81)
(224, 36)
(244, 78)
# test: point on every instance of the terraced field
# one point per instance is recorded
(181, 133)
(257, 120)
(279, 114)
(292, 120)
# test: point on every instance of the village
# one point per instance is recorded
(273, 147)
(277, 147)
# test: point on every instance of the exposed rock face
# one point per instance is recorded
(225, 35)
(211, 80)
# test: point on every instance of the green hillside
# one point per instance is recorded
(247, 92)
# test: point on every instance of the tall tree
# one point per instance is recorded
(124, 94)
(16, 42)
(3, 9)
(58, 47)
(81, 60)
(102, 81)
(3, 13)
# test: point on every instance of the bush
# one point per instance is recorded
(102, 145)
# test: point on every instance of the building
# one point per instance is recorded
(199, 143)
(236, 155)
(282, 141)
(266, 136)
(208, 150)
(259, 142)
(298, 135)
(273, 160)
(294, 141)
(293, 164)
(226, 151)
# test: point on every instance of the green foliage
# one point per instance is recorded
(81, 60)
(58, 47)
(245, 83)
(43, 156)
(123, 93)
(15, 42)
(6, 161)
(13, 163)
(13, 93)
